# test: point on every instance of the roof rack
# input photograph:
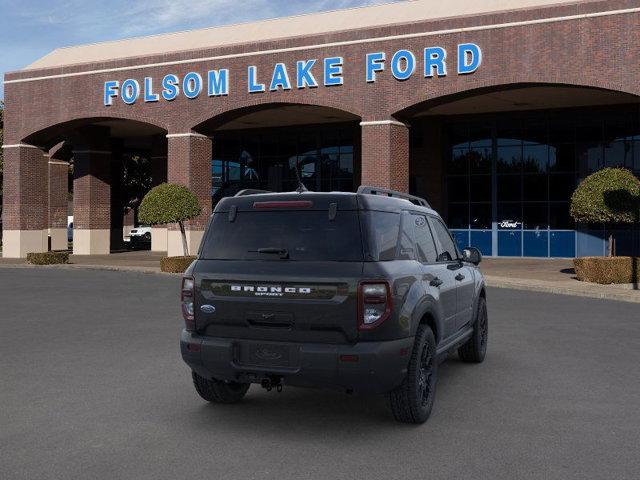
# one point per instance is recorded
(250, 191)
(366, 189)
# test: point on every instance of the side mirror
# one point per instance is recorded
(471, 255)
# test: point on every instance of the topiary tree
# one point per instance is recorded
(169, 203)
(611, 195)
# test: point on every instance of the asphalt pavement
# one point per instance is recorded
(92, 386)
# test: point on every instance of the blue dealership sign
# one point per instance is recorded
(308, 73)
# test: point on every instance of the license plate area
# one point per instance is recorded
(268, 354)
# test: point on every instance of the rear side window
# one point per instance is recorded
(424, 240)
(306, 235)
(382, 230)
(447, 250)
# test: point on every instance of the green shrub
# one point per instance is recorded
(170, 203)
(175, 264)
(48, 258)
(611, 195)
(607, 270)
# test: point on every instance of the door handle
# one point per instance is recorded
(436, 282)
(459, 277)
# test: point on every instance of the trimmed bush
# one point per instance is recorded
(175, 264)
(607, 270)
(48, 258)
(170, 203)
(611, 195)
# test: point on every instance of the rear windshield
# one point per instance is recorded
(304, 235)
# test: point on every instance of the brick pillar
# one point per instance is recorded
(92, 192)
(159, 175)
(385, 154)
(58, 191)
(25, 203)
(117, 208)
(189, 164)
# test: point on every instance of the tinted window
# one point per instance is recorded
(382, 231)
(447, 251)
(306, 235)
(424, 240)
(407, 241)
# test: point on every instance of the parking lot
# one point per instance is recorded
(92, 386)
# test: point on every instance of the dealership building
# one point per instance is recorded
(491, 109)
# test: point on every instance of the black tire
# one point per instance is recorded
(475, 349)
(412, 401)
(147, 236)
(217, 391)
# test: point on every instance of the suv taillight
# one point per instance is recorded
(374, 304)
(186, 299)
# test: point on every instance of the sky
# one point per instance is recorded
(29, 29)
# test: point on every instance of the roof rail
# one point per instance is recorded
(393, 193)
(250, 191)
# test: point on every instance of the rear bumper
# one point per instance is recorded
(370, 367)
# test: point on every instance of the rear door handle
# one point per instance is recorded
(436, 282)
(459, 277)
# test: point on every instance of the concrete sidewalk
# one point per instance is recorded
(540, 275)
(552, 276)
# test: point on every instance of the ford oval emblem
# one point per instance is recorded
(266, 354)
(207, 309)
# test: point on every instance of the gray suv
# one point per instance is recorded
(361, 292)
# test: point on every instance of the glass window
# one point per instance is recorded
(459, 161)
(407, 238)
(561, 187)
(535, 216)
(481, 188)
(382, 229)
(636, 156)
(510, 216)
(618, 154)
(459, 215)
(589, 157)
(480, 160)
(509, 132)
(509, 188)
(562, 158)
(534, 188)
(509, 159)
(480, 216)
(535, 158)
(589, 130)
(424, 240)
(458, 189)
(559, 217)
(447, 249)
(305, 235)
(535, 132)
(480, 136)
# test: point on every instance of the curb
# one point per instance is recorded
(75, 266)
(605, 293)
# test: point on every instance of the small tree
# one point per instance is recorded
(169, 203)
(611, 195)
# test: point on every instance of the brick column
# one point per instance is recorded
(385, 154)
(58, 191)
(24, 202)
(189, 164)
(92, 192)
(158, 176)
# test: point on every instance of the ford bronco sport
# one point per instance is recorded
(362, 292)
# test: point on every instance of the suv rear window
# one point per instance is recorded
(306, 235)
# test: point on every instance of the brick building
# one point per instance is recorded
(492, 109)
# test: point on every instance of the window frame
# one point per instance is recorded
(439, 246)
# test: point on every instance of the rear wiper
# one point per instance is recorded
(283, 252)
